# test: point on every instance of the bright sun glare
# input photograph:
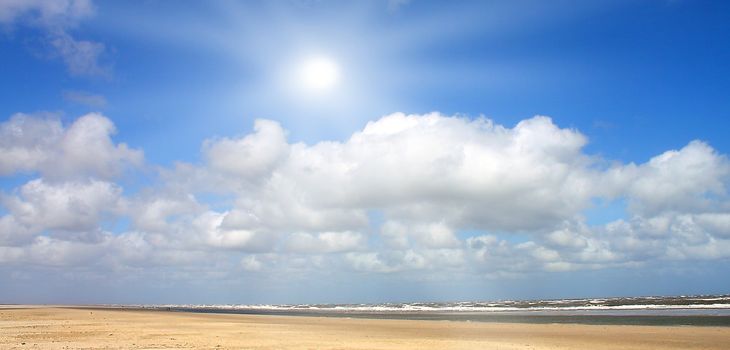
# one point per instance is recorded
(319, 73)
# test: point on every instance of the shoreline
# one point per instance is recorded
(605, 317)
(109, 328)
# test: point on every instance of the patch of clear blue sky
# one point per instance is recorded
(637, 77)
(603, 211)
(117, 224)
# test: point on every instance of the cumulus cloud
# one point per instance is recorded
(325, 242)
(70, 206)
(717, 224)
(55, 18)
(428, 194)
(84, 148)
(431, 235)
(682, 180)
(155, 212)
(253, 156)
(463, 172)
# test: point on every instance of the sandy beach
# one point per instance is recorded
(81, 328)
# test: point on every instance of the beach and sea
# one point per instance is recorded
(687, 322)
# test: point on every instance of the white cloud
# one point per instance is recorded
(47, 251)
(84, 148)
(460, 171)
(154, 212)
(325, 242)
(26, 141)
(717, 224)
(431, 176)
(399, 196)
(668, 235)
(409, 260)
(679, 180)
(70, 206)
(431, 235)
(13, 233)
(252, 157)
(208, 227)
(369, 262)
(250, 263)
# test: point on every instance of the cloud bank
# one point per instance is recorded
(423, 196)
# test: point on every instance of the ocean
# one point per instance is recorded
(702, 310)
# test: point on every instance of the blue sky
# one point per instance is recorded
(157, 146)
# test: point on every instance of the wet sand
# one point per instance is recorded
(81, 328)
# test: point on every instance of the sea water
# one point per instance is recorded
(703, 310)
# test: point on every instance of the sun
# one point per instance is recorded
(319, 73)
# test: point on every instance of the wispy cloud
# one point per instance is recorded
(395, 5)
(56, 19)
(85, 98)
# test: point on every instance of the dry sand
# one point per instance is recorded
(79, 328)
